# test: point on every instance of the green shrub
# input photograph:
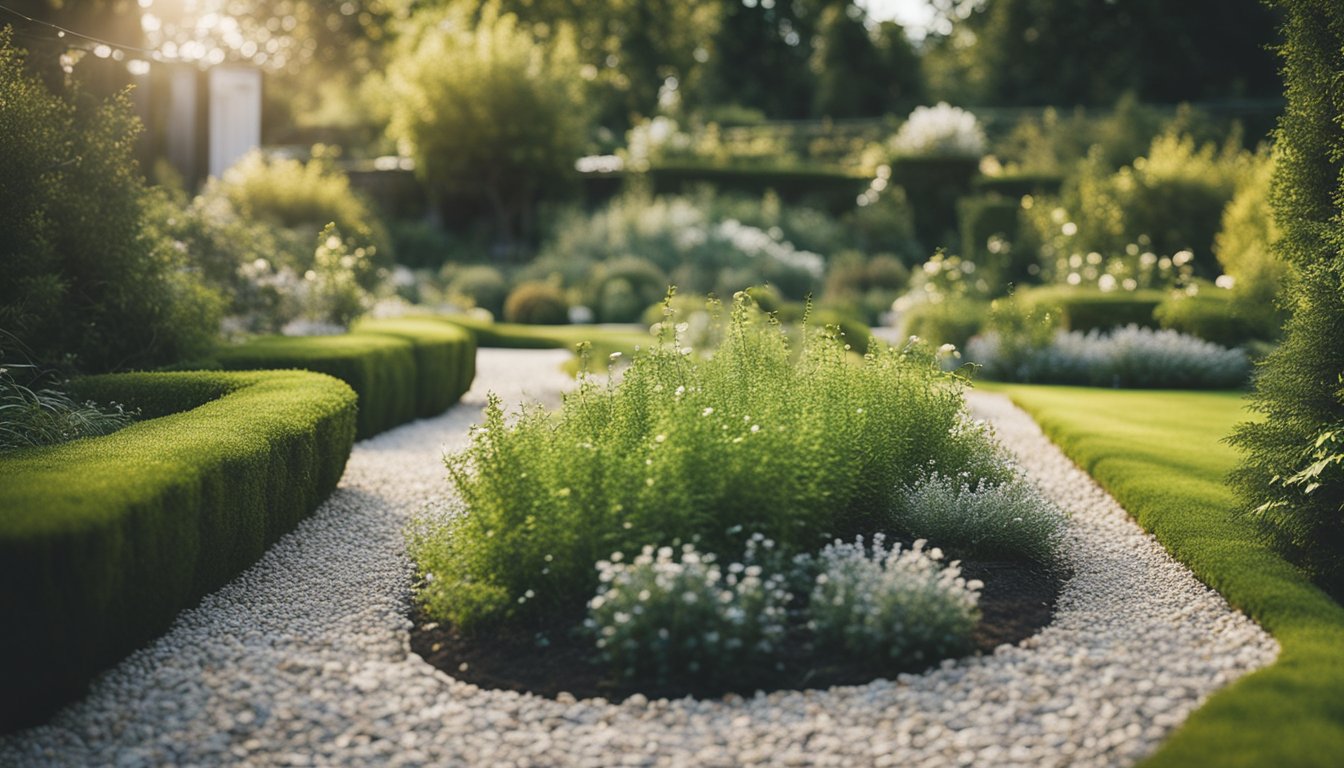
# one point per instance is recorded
(1086, 309)
(883, 222)
(1169, 201)
(1293, 475)
(380, 369)
(1016, 185)
(445, 359)
(296, 200)
(901, 608)
(87, 283)
(867, 287)
(104, 540)
(420, 245)
(1247, 250)
(754, 439)
(688, 619)
(487, 111)
(827, 189)
(536, 304)
(479, 286)
(951, 321)
(1006, 521)
(623, 288)
(1219, 316)
(933, 186)
(990, 238)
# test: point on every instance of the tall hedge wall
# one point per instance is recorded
(104, 540)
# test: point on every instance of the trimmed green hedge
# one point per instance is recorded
(834, 190)
(1086, 309)
(1016, 185)
(104, 540)
(1216, 315)
(934, 185)
(445, 359)
(401, 369)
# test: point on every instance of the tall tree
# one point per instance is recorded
(1293, 474)
(760, 56)
(1031, 52)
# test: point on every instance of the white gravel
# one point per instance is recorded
(304, 660)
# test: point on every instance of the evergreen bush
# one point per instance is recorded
(86, 285)
(1293, 474)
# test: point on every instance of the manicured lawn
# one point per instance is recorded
(1160, 453)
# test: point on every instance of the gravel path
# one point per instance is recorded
(304, 658)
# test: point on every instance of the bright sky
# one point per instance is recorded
(912, 14)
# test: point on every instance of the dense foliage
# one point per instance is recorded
(753, 440)
(487, 110)
(86, 284)
(1293, 477)
(1028, 52)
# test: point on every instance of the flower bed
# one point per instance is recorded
(748, 477)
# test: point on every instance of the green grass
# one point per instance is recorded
(1161, 455)
(103, 540)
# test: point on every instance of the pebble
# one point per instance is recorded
(304, 658)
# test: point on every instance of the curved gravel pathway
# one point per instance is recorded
(303, 660)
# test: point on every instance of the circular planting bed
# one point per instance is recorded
(305, 658)
(1017, 601)
(669, 531)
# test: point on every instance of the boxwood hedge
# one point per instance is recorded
(400, 369)
(104, 540)
(445, 359)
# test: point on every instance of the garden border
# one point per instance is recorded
(105, 539)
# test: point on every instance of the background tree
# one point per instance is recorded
(760, 57)
(1293, 474)
(1033, 52)
(487, 111)
(849, 69)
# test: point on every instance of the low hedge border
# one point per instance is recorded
(400, 369)
(445, 359)
(104, 540)
(1088, 309)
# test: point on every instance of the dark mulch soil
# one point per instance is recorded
(1017, 601)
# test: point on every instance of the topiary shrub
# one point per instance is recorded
(536, 304)
(951, 321)
(624, 288)
(479, 286)
(989, 233)
(1292, 478)
(87, 284)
